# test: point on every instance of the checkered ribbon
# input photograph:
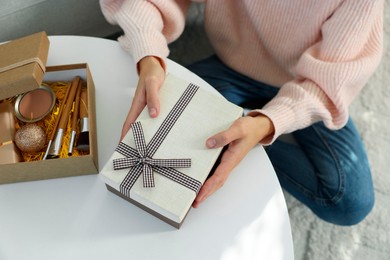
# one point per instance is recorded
(140, 160)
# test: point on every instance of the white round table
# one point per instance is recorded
(77, 218)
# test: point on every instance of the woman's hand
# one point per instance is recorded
(241, 137)
(151, 78)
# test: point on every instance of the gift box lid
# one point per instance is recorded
(22, 64)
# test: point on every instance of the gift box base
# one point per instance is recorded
(154, 213)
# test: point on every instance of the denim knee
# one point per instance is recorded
(351, 206)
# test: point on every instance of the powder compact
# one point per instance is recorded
(34, 105)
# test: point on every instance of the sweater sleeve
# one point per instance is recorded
(148, 25)
(331, 73)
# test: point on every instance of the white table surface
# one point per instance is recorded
(77, 218)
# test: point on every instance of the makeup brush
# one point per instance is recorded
(52, 135)
(83, 140)
(75, 117)
(55, 147)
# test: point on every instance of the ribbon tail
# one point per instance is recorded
(130, 179)
(180, 178)
(171, 163)
(148, 177)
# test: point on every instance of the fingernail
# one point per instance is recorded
(152, 112)
(211, 143)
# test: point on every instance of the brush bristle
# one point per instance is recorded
(83, 142)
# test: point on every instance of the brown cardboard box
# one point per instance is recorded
(14, 81)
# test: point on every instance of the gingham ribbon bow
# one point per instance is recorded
(143, 159)
(140, 160)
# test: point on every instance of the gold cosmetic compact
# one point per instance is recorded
(34, 105)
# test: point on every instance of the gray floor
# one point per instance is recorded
(313, 238)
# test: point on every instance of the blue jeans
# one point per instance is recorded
(326, 170)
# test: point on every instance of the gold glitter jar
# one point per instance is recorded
(30, 138)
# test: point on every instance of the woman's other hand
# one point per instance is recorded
(241, 137)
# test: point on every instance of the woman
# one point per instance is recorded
(298, 64)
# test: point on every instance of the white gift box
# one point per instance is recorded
(164, 169)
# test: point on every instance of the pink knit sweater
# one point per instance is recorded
(321, 53)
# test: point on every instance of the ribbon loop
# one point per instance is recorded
(123, 163)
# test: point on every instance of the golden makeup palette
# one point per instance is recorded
(34, 105)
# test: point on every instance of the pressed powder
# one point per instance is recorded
(34, 105)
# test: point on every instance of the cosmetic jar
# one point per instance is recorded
(34, 105)
(30, 138)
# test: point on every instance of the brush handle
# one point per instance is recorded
(65, 113)
(53, 133)
(83, 141)
(75, 116)
(84, 103)
(76, 107)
